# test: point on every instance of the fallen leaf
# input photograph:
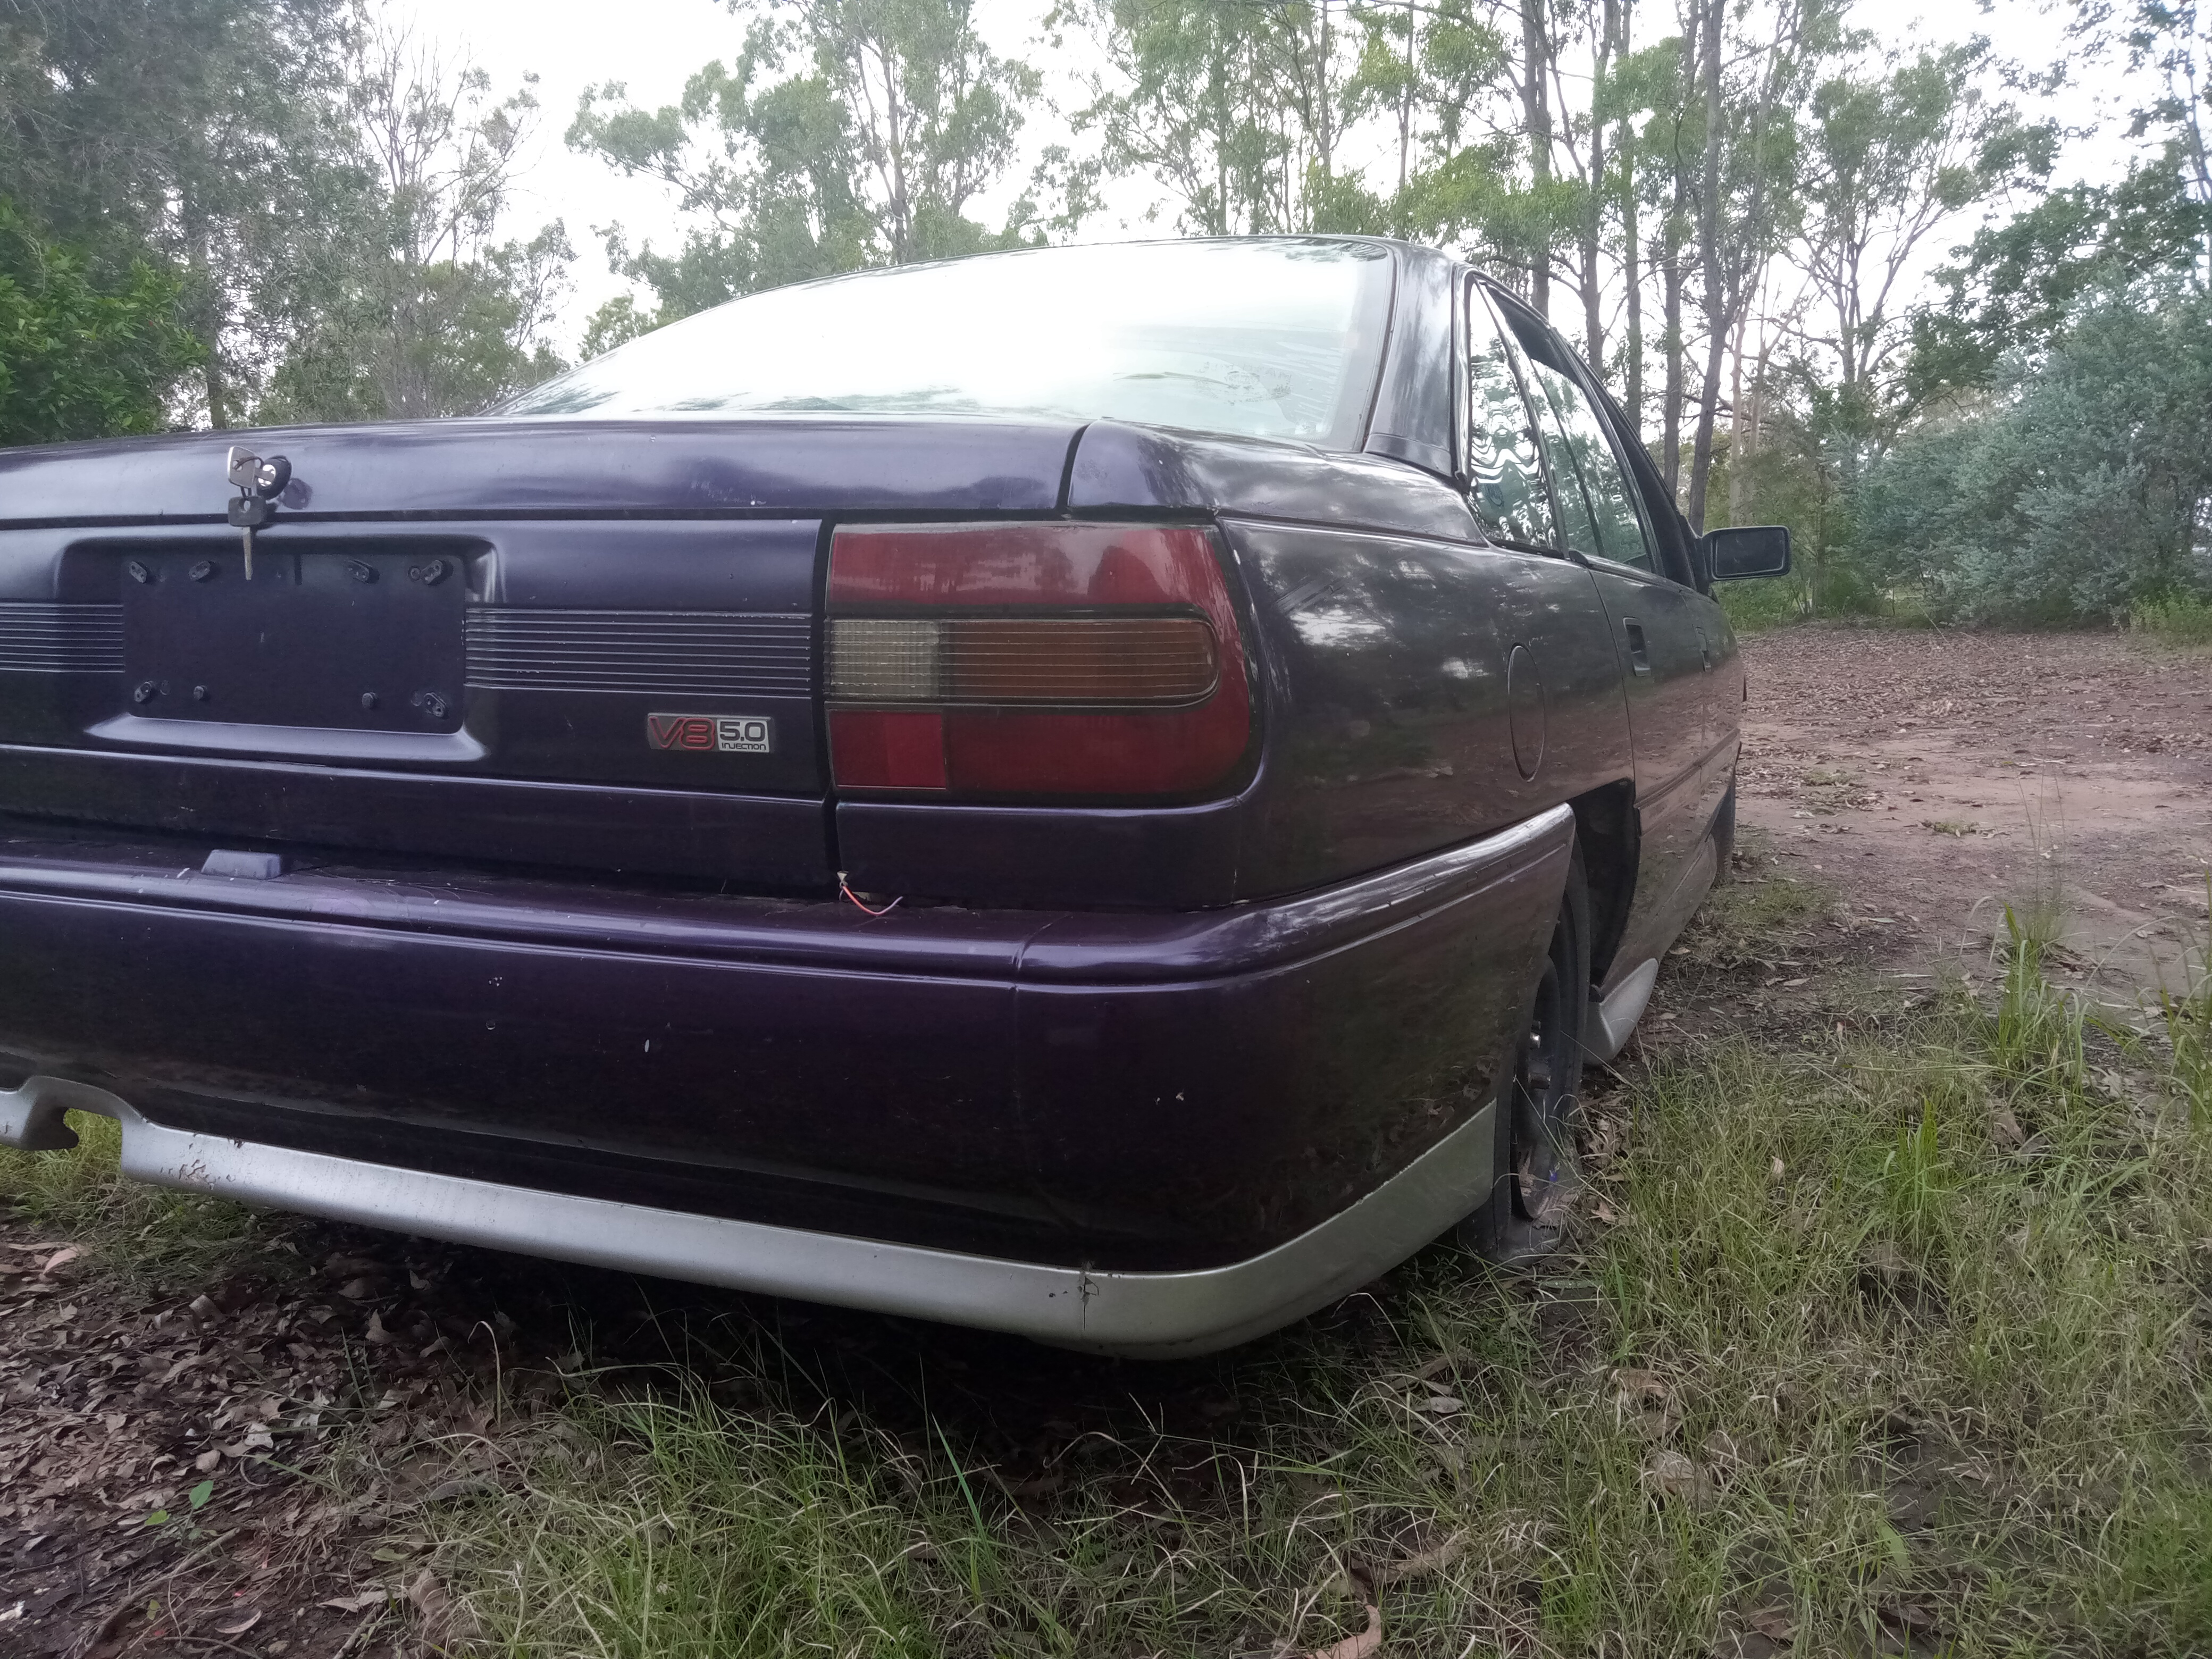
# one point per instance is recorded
(358, 1290)
(113, 1421)
(1429, 1560)
(1443, 1363)
(366, 1600)
(208, 1460)
(1670, 1474)
(1773, 1623)
(1641, 1398)
(241, 1625)
(2005, 1130)
(1775, 1172)
(1445, 1402)
(202, 1309)
(1721, 1451)
(442, 1620)
(376, 1333)
(67, 1254)
(1359, 1646)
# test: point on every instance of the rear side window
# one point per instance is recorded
(1605, 522)
(1598, 512)
(1506, 477)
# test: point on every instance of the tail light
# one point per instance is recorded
(1066, 659)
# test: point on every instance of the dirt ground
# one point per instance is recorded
(230, 1466)
(1931, 778)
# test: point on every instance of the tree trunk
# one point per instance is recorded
(1536, 109)
(1670, 415)
(1594, 209)
(1709, 254)
(1678, 218)
(1406, 101)
(206, 308)
(1741, 441)
(1631, 252)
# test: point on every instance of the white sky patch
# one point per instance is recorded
(654, 45)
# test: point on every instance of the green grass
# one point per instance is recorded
(2180, 619)
(1905, 1336)
(133, 1232)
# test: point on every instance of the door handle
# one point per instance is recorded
(1639, 658)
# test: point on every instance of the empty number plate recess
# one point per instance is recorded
(360, 638)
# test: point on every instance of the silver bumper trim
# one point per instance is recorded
(1140, 1315)
(1613, 1018)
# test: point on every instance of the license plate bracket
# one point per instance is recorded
(365, 638)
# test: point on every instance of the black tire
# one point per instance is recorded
(1539, 1098)
(1724, 833)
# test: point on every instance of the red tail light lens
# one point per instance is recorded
(1065, 659)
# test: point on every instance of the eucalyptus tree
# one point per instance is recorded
(202, 135)
(1892, 156)
(434, 309)
(1235, 108)
(842, 133)
(1748, 184)
(2166, 46)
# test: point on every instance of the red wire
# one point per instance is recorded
(855, 897)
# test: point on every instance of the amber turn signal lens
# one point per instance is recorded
(1023, 662)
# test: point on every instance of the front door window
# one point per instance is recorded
(1504, 474)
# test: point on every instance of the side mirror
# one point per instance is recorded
(1752, 551)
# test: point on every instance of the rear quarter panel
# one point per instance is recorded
(1395, 732)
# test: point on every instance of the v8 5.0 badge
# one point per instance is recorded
(728, 734)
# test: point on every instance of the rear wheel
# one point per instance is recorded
(1539, 1097)
(1724, 832)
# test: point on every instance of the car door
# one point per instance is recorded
(1664, 632)
(1570, 726)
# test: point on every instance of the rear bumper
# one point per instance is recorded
(1194, 1121)
(1136, 1314)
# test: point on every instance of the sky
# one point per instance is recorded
(653, 45)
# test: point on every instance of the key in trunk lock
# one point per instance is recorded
(259, 482)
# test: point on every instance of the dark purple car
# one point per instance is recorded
(1101, 793)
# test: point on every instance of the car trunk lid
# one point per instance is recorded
(546, 643)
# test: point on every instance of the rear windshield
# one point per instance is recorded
(1262, 339)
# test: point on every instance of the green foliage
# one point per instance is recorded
(1895, 155)
(2084, 491)
(428, 311)
(83, 355)
(845, 133)
(205, 137)
(1236, 111)
(2023, 282)
(2183, 619)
